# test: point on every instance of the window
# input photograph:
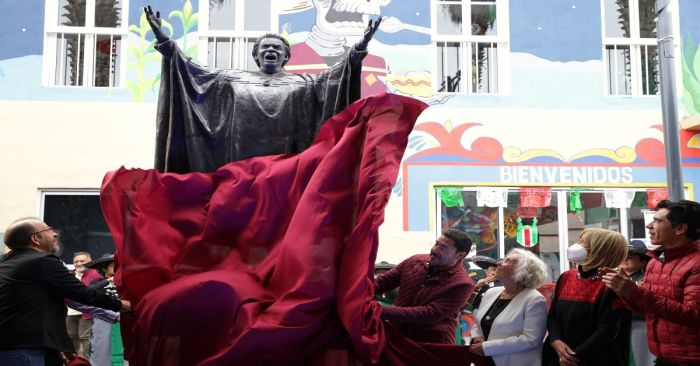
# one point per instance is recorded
(227, 36)
(77, 216)
(630, 47)
(469, 58)
(85, 43)
(494, 230)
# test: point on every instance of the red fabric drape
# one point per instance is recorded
(267, 260)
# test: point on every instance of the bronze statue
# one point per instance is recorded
(208, 117)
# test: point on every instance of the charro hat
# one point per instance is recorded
(637, 246)
(484, 261)
(101, 262)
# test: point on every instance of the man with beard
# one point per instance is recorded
(33, 285)
(433, 290)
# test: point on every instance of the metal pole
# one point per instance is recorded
(669, 107)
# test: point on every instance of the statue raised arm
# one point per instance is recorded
(155, 22)
(372, 27)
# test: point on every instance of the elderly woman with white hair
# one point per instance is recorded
(512, 319)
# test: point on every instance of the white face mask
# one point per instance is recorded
(576, 253)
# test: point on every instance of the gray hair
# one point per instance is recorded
(530, 271)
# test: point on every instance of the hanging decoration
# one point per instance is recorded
(492, 197)
(527, 212)
(656, 195)
(510, 223)
(618, 198)
(527, 234)
(575, 204)
(535, 196)
(451, 196)
(640, 200)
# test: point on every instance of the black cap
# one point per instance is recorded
(637, 246)
(484, 261)
(101, 262)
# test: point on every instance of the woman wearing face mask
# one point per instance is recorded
(585, 318)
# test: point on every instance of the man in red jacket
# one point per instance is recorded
(433, 289)
(670, 295)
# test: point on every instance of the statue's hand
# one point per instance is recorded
(372, 27)
(155, 22)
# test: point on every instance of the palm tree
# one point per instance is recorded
(647, 29)
(483, 18)
(75, 17)
(107, 14)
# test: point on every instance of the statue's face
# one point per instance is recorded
(346, 17)
(271, 55)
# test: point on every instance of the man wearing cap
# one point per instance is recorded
(434, 288)
(106, 339)
(634, 267)
(489, 265)
(33, 285)
(670, 295)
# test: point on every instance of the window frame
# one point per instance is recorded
(467, 41)
(237, 37)
(637, 47)
(90, 32)
(43, 193)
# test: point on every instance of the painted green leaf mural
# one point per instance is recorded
(690, 62)
(143, 53)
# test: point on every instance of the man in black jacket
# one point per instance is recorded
(33, 285)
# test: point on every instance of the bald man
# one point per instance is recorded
(33, 285)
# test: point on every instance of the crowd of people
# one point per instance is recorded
(620, 304)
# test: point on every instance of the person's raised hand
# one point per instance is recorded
(618, 282)
(154, 21)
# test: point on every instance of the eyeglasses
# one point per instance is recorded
(41, 231)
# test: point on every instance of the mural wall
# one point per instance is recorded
(552, 115)
(690, 56)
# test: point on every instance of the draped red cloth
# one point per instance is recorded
(267, 260)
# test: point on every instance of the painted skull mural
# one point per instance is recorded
(342, 19)
(339, 24)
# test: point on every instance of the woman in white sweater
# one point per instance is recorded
(512, 319)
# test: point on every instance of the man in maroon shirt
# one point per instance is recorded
(433, 289)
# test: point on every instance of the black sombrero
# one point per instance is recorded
(101, 262)
(484, 261)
